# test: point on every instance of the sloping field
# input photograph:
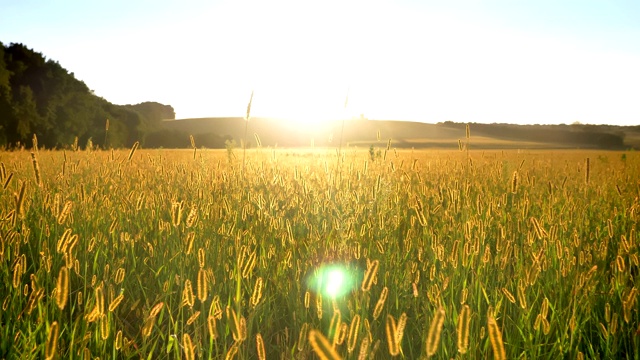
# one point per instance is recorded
(274, 132)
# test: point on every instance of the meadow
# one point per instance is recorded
(292, 254)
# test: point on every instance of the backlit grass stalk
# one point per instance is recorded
(52, 341)
(302, 336)
(35, 143)
(402, 323)
(202, 289)
(380, 304)
(187, 294)
(390, 331)
(354, 329)
(19, 198)
(187, 346)
(99, 296)
(115, 302)
(193, 146)
(7, 181)
(106, 133)
(346, 102)
(62, 288)
(495, 336)
(370, 275)
(435, 329)
(246, 126)
(104, 327)
(235, 325)
(321, 346)
(468, 136)
(587, 171)
(36, 169)
(364, 348)
(260, 347)
(133, 150)
(193, 317)
(257, 292)
(464, 318)
(334, 327)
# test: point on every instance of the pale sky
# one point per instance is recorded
(511, 61)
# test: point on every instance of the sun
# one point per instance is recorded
(305, 108)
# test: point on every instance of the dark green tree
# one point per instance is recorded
(38, 96)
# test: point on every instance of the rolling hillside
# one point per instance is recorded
(406, 134)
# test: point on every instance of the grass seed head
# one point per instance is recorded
(302, 337)
(364, 348)
(257, 292)
(390, 331)
(118, 342)
(17, 275)
(36, 169)
(155, 310)
(464, 318)
(147, 326)
(509, 295)
(52, 341)
(187, 294)
(435, 329)
(188, 348)
(114, 304)
(321, 346)
(99, 294)
(193, 318)
(232, 352)
(202, 285)
(211, 327)
(370, 274)
(133, 150)
(495, 336)
(260, 347)
(380, 304)
(354, 329)
(104, 326)
(62, 287)
(402, 323)
(319, 305)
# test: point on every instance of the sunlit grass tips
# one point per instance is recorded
(435, 329)
(321, 346)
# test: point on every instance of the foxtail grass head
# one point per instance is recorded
(248, 116)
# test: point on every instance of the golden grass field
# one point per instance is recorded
(165, 254)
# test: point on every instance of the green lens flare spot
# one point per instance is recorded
(332, 281)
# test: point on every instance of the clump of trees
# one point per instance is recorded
(38, 96)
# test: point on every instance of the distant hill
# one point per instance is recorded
(407, 134)
(274, 132)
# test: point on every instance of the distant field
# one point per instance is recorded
(407, 134)
(479, 142)
(304, 254)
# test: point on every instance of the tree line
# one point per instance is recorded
(575, 135)
(38, 96)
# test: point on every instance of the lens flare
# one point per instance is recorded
(332, 281)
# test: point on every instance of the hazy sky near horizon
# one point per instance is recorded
(542, 61)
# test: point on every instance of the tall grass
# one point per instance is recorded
(138, 253)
